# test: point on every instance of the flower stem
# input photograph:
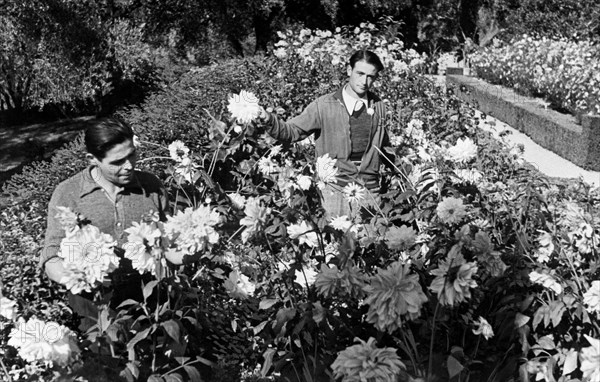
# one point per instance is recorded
(179, 367)
(432, 341)
(474, 355)
(152, 158)
(5, 370)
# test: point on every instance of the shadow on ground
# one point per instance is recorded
(22, 145)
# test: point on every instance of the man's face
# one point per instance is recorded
(361, 77)
(118, 164)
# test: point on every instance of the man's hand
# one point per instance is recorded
(55, 269)
(263, 115)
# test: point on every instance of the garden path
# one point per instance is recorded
(544, 160)
(21, 145)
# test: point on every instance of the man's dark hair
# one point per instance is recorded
(106, 134)
(368, 57)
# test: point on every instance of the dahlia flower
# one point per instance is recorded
(463, 151)
(304, 182)
(414, 130)
(8, 308)
(88, 257)
(141, 246)
(193, 230)
(46, 342)
(341, 223)
(545, 239)
(280, 53)
(244, 107)
(304, 233)
(141, 238)
(68, 219)
(400, 237)
(454, 279)
(345, 282)
(546, 280)
(186, 169)
(591, 298)
(307, 275)
(239, 285)
(255, 219)
(468, 176)
(237, 200)
(353, 192)
(590, 360)
(365, 362)
(267, 166)
(540, 369)
(392, 294)
(326, 170)
(178, 151)
(482, 327)
(451, 210)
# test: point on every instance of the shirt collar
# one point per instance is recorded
(89, 185)
(350, 101)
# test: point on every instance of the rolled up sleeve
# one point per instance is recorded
(54, 231)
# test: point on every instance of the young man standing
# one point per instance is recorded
(348, 125)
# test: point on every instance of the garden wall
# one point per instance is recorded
(558, 132)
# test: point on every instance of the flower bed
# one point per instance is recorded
(563, 72)
(473, 268)
(558, 132)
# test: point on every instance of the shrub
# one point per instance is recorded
(561, 71)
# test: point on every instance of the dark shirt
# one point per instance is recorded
(360, 131)
(80, 193)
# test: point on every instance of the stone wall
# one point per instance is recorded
(575, 139)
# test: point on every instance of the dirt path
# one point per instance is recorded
(21, 145)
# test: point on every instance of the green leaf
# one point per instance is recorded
(193, 373)
(104, 321)
(126, 375)
(113, 332)
(155, 378)
(570, 362)
(557, 308)
(521, 320)
(127, 302)
(268, 356)
(182, 360)
(547, 342)
(283, 316)
(138, 337)
(267, 303)
(454, 367)
(172, 329)
(148, 289)
(133, 369)
(205, 361)
(173, 378)
(259, 328)
(542, 314)
(319, 312)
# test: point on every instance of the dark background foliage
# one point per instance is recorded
(64, 58)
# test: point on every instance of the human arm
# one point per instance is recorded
(297, 128)
(49, 260)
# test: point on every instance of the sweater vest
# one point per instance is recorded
(360, 131)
